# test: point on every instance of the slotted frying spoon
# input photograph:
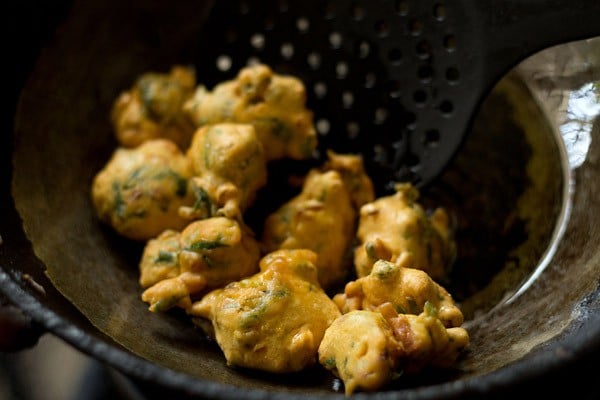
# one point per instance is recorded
(397, 81)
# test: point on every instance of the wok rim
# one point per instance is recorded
(580, 338)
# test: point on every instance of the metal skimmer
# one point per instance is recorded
(397, 81)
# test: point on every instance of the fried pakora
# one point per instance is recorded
(396, 224)
(274, 104)
(369, 349)
(407, 289)
(426, 341)
(321, 218)
(139, 190)
(153, 108)
(274, 320)
(360, 348)
(207, 254)
(229, 167)
(352, 170)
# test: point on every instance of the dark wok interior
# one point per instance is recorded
(508, 189)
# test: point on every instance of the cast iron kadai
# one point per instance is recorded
(397, 81)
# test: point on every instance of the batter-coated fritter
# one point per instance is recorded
(153, 108)
(273, 321)
(360, 348)
(407, 289)
(160, 258)
(352, 170)
(275, 104)
(368, 349)
(424, 338)
(229, 168)
(139, 191)
(207, 254)
(396, 224)
(321, 218)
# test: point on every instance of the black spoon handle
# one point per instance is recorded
(514, 29)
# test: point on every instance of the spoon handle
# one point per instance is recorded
(515, 29)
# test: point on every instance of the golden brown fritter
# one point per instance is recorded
(396, 224)
(408, 289)
(229, 167)
(139, 191)
(207, 254)
(153, 108)
(360, 348)
(424, 338)
(368, 349)
(321, 218)
(273, 321)
(274, 104)
(352, 170)
(160, 258)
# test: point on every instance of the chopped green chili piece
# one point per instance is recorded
(203, 202)
(119, 204)
(251, 317)
(133, 178)
(275, 127)
(384, 273)
(180, 181)
(209, 261)
(330, 362)
(430, 309)
(164, 257)
(370, 249)
(281, 292)
(166, 303)
(206, 245)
